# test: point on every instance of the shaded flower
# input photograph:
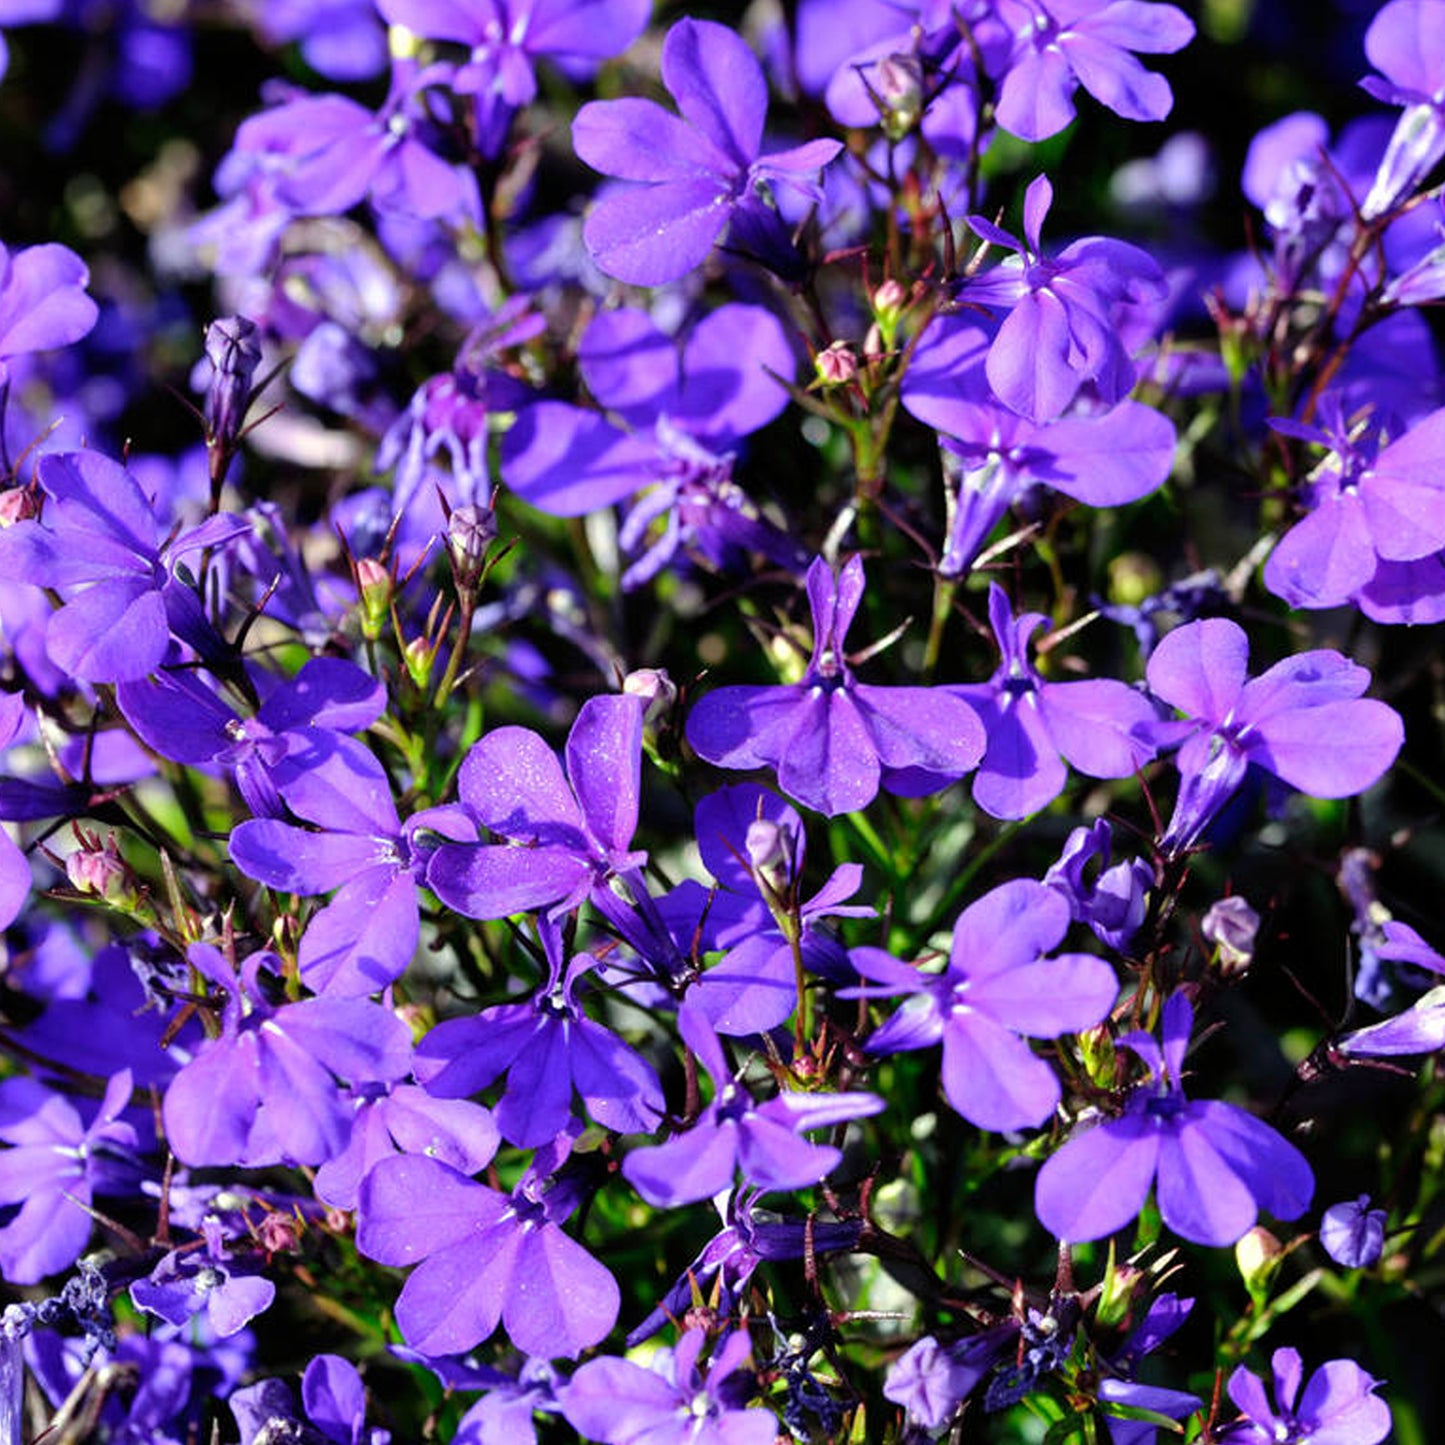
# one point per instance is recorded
(1352, 1233)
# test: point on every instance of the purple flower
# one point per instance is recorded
(998, 985)
(1419, 1030)
(548, 1048)
(504, 36)
(1062, 327)
(265, 1090)
(1339, 1406)
(931, 1380)
(188, 1281)
(1352, 1233)
(102, 547)
(735, 1130)
(1111, 900)
(1062, 44)
(699, 171)
(484, 1257)
(687, 408)
(619, 1403)
(754, 845)
(366, 936)
(1303, 721)
(1216, 1167)
(993, 457)
(175, 713)
(406, 1120)
(569, 834)
(1405, 43)
(42, 302)
(728, 1260)
(1368, 507)
(1101, 726)
(835, 741)
(56, 1160)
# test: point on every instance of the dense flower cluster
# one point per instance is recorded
(390, 942)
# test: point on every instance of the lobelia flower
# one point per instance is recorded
(1338, 1407)
(1216, 1167)
(1405, 43)
(449, 416)
(620, 1403)
(333, 1399)
(187, 1281)
(1303, 720)
(42, 302)
(754, 845)
(931, 1380)
(736, 1131)
(1113, 901)
(1369, 506)
(505, 1413)
(266, 1090)
(569, 833)
(1061, 328)
(1164, 1316)
(834, 741)
(1352, 1233)
(1102, 727)
(57, 1159)
(686, 409)
(728, 1260)
(181, 718)
(407, 1120)
(483, 1257)
(101, 546)
(323, 154)
(997, 986)
(700, 171)
(505, 36)
(366, 936)
(992, 456)
(548, 1049)
(1062, 44)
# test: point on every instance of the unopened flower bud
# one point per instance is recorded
(889, 301)
(470, 531)
(234, 354)
(769, 850)
(898, 85)
(1231, 925)
(97, 868)
(374, 583)
(1096, 1048)
(18, 504)
(655, 688)
(420, 657)
(836, 364)
(1258, 1255)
